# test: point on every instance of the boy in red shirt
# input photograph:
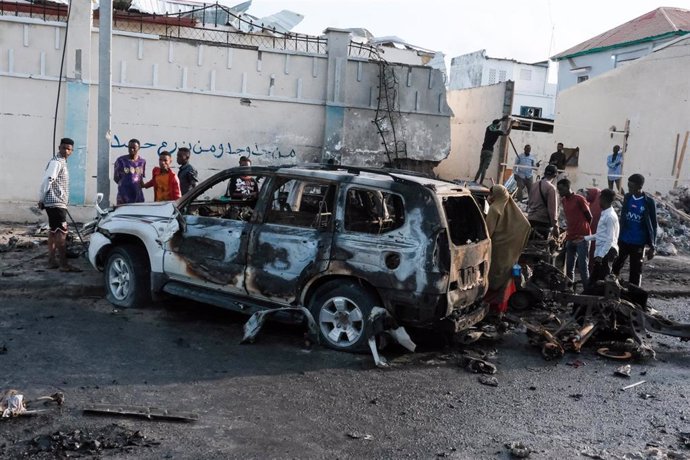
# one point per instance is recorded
(578, 219)
(166, 185)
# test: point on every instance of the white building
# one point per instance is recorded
(620, 45)
(534, 96)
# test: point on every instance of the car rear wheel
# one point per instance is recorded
(127, 277)
(341, 310)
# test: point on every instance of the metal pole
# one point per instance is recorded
(105, 34)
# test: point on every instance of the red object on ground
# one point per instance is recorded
(498, 300)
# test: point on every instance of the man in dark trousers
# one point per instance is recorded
(53, 196)
(558, 158)
(491, 135)
(606, 238)
(542, 205)
(578, 218)
(638, 229)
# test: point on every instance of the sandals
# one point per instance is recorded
(70, 269)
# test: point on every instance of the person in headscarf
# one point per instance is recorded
(592, 197)
(508, 229)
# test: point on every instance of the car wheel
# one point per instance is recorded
(341, 310)
(127, 277)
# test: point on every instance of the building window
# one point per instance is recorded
(525, 74)
(582, 78)
(492, 76)
(502, 74)
(530, 112)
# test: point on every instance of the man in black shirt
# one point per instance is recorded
(558, 158)
(187, 173)
(491, 135)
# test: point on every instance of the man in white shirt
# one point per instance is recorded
(606, 237)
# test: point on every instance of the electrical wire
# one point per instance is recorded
(60, 78)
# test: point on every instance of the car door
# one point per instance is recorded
(210, 249)
(293, 241)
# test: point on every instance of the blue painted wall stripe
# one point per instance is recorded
(77, 127)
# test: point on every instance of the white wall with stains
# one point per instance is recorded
(220, 101)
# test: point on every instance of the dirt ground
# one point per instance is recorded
(278, 398)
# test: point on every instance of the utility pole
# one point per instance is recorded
(105, 34)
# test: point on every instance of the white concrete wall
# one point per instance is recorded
(654, 94)
(473, 110)
(222, 102)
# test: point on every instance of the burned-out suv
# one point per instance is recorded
(338, 240)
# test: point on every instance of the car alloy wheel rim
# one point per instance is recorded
(341, 321)
(119, 277)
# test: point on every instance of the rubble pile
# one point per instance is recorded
(112, 439)
(680, 198)
(674, 222)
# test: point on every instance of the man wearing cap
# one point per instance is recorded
(53, 196)
(638, 228)
(542, 204)
(491, 135)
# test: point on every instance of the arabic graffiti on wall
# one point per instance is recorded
(216, 150)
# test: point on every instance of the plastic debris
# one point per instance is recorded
(476, 365)
(633, 385)
(254, 324)
(623, 371)
(12, 404)
(381, 324)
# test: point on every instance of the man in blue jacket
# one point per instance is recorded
(637, 229)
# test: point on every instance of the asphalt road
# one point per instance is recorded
(277, 399)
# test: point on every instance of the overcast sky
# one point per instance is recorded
(525, 30)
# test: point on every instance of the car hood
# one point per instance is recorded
(164, 209)
(141, 212)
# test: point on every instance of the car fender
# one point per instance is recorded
(152, 232)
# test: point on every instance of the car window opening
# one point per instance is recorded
(232, 198)
(465, 222)
(301, 204)
(375, 212)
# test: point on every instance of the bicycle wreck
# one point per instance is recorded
(615, 318)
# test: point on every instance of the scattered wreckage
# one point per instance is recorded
(614, 317)
(335, 240)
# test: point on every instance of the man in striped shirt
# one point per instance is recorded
(53, 196)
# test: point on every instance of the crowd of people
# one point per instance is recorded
(130, 171)
(597, 241)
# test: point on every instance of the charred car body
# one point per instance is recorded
(337, 240)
